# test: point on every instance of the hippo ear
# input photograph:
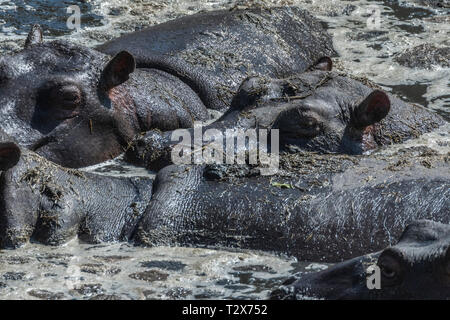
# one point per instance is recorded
(373, 109)
(35, 36)
(324, 64)
(9, 155)
(117, 70)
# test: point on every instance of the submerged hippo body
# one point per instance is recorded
(417, 267)
(313, 210)
(78, 106)
(317, 208)
(318, 110)
(43, 202)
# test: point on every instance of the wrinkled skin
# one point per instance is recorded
(417, 267)
(317, 208)
(318, 110)
(77, 106)
(43, 202)
(215, 51)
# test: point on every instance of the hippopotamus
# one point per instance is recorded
(215, 51)
(78, 106)
(417, 267)
(41, 201)
(320, 208)
(318, 110)
(316, 207)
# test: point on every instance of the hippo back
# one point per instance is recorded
(213, 52)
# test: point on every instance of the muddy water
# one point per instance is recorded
(368, 35)
(120, 271)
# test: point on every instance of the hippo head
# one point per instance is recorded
(418, 267)
(62, 101)
(318, 110)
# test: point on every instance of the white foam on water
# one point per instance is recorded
(120, 269)
(438, 140)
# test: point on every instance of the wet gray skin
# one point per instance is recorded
(318, 110)
(316, 208)
(44, 202)
(417, 267)
(77, 106)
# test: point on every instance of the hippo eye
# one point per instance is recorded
(391, 269)
(308, 125)
(388, 272)
(59, 101)
(299, 123)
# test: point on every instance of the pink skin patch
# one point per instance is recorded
(368, 142)
(122, 101)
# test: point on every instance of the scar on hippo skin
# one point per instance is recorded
(417, 267)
